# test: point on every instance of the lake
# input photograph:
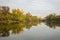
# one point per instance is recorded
(29, 31)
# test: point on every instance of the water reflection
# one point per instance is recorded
(53, 24)
(19, 27)
(15, 28)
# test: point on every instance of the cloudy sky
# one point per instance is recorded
(36, 7)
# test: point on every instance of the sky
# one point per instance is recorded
(35, 7)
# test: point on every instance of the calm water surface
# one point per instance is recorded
(37, 32)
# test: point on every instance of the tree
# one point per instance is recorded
(50, 17)
(18, 14)
(28, 17)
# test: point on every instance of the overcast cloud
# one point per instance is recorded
(36, 7)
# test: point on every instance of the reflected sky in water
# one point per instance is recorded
(37, 32)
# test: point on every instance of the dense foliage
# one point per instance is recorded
(17, 15)
(16, 20)
(52, 18)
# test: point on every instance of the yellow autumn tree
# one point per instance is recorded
(28, 17)
(18, 14)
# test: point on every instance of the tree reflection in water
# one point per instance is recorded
(53, 24)
(18, 28)
(15, 28)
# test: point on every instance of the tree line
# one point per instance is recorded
(16, 20)
(18, 15)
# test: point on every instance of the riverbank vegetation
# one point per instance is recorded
(16, 20)
(16, 15)
(52, 18)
